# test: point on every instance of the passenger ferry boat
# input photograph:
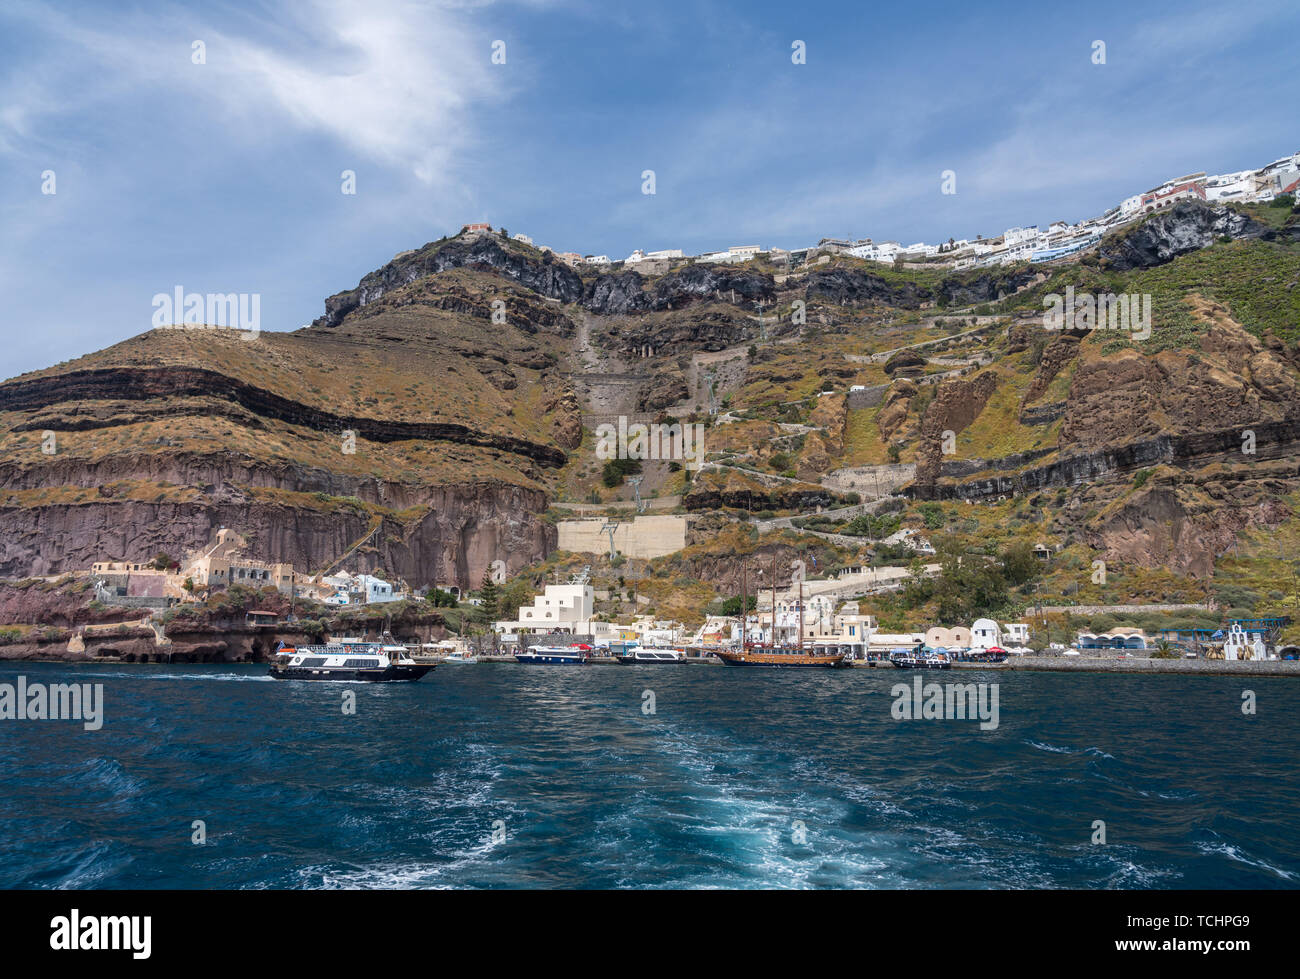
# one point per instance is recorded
(994, 654)
(648, 654)
(555, 655)
(918, 659)
(347, 660)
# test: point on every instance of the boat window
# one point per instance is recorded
(314, 661)
(360, 663)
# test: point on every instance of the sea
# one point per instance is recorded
(665, 776)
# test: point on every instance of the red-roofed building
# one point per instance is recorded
(1168, 196)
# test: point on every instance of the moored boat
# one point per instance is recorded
(555, 655)
(347, 661)
(649, 654)
(920, 659)
(777, 656)
(774, 656)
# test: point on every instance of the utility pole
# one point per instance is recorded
(635, 482)
(609, 528)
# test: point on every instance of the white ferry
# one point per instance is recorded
(347, 660)
(578, 653)
(649, 654)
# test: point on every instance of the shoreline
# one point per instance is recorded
(1040, 664)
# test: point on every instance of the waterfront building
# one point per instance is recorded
(1115, 639)
(984, 634)
(958, 637)
(567, 608)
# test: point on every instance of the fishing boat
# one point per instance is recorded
(773, 655)
(649, 654)
(576, 654)
(920, 659)
(348, 661)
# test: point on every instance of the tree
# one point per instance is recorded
(1019, 565)
(489, 597)
(514, 595)
(440, 598)
(162, 561)
(732, 605)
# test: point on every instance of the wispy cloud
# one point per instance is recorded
(394, 82)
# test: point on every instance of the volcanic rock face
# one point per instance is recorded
(453, 536)
(903, 359)
(623, 292)
(412, 436)
(857, 287)
(956, 404)
(1185, 227)
(546, 276)
(1182, 524)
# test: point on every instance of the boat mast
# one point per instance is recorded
(801, 616)
(744, 605)
(774, 600)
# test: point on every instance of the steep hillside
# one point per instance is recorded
(472, 373)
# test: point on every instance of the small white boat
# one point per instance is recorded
(646, 654)
(459, 657)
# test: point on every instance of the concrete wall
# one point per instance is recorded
(641, 537)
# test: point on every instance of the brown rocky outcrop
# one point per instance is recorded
(897, 404)
(956, 404)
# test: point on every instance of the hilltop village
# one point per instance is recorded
(1014, 244)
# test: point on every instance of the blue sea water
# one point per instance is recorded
(500, 775)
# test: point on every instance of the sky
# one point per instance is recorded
(203, 145)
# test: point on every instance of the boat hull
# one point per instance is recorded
(630, 660)
(780, 661)
(921, 664)
(389, 674)
(549, 659)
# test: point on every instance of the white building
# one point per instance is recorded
(564, 608)
(985, 634)
(524, 238)
(664, 253)
(873, 251)
(637, 256)
(597, 260)
(1017, 633)
(1014, 236)
(375, 589)
(743, 251)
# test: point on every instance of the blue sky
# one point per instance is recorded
(225, 176)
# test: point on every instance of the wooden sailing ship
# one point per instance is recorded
(771, 654)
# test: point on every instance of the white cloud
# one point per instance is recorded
(392, 81)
